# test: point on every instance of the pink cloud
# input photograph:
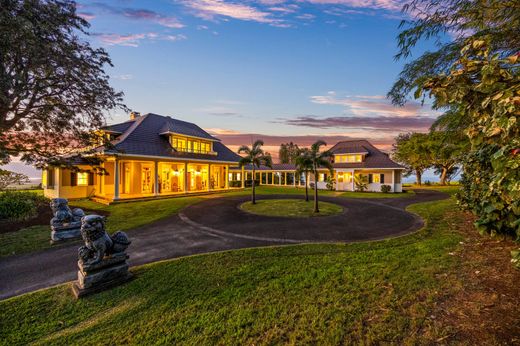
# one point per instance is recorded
(371, 105)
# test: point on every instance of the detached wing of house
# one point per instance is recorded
(351, 159)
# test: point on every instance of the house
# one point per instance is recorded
(150, 156)
(351, 160)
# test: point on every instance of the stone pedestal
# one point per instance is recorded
(111, 271)
(60, 234)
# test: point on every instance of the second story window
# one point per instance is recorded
(190, 145)
(349, 158)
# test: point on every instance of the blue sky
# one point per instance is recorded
(272, 69)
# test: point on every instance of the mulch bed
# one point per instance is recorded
(484, 307)
(43, 217)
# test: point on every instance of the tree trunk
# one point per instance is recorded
(253, 196)
(316, 208)
(444, 174)
(306, 186)
(418, 174)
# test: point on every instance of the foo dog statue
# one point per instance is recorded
(97, 241)
(66, 223)
(102, 260)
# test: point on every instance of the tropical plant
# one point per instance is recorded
(303, 165)
(54, 90)
(255, 157)
(319, 159)
(361, 182)
(413, 151)
(386, 188)
(331, 183)
(477, 77)
(288, 152)
(11, 178)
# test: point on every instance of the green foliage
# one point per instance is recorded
(413, 150)
(386, 188)
(331, 183)
(361, 182)
(476, 77)
(319, 159)
(290, 208)
(54, 91)
(288, 152)
(486, 88)
(19, 205)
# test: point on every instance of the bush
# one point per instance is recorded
(386, 188)
(19, 205)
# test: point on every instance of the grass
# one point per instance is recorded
(25, 240)
(290, 208)
(370, 293)
(126, 216)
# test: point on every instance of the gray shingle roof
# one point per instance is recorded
(374, 159)
(143, 137)
(276, 167)
(119, 128)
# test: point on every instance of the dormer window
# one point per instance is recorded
(349, 158)
(191, 145)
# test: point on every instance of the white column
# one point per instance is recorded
(353, 185)
(393, 180)
(226, 176)
(116, 179)
(285, 178)
(242, 176)
(185, 177)
(209, 177)
(156, 178)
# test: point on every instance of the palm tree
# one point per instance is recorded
(304, 165)
(319, 159)
(254, 156)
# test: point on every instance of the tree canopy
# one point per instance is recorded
(288, 152)
(476, 77)
(413, 151)
(53, 88)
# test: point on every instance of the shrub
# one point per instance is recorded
(386, 188)
(19, 205)
(331, 183)
(361, 182)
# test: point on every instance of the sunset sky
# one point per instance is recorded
(271, 69)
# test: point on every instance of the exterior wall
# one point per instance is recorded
(62, 185)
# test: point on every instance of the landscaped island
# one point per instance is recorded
(290, 208)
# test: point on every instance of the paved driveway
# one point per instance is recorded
(216, 225)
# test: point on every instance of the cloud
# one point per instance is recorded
(371, 105)
(213, 9)
(392, 124)
(133, 40)
(124, 77)
(141, 14)
(390, 5)
(306, 16)
(86, 15)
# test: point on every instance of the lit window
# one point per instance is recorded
(82, 179)
(377, 178)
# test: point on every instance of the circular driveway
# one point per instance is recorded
(361, 220)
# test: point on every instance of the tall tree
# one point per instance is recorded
(447, 151)
(413, 151)
(255, 157)
(477, 76)
(303, 165)
(288, 152)
(12, 178)
(319, 159)
(53, 88)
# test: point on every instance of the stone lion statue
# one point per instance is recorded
(63, 215)
(98, 243)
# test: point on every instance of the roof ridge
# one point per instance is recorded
(131, 129)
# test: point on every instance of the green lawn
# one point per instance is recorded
(371, 293)
(25, 240)
(290, 208)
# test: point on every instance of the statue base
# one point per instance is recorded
(110, 272)
(61, 235)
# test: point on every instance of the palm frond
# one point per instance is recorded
(315, 147)
(244, 149)
(244, 161)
